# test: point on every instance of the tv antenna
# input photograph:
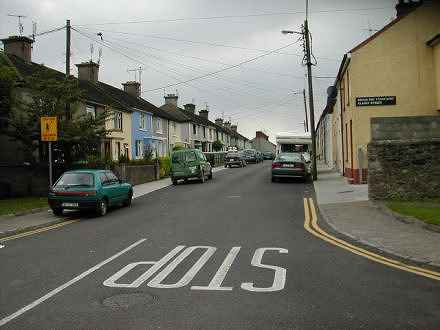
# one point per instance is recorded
(92, 49)
(137, 71)
(20, 25)
(34, 30)
(99, 55)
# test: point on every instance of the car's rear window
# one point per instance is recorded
(289, 158)
(76, 179)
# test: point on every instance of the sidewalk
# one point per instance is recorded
(346, 208)
(10, 225)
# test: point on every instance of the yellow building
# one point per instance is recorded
(395, 72)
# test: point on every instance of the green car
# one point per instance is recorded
(89, 190)
(188, 164)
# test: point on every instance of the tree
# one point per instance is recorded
(47, 93)
(217, 145)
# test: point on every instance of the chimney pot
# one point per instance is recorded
(190, 107)
(133, 88)
(19, 46)
(88, 71)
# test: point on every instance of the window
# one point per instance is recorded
(143, 121)
(112, 178)
(104, 179)
(91, 110)
(204, 131)
(75, 179)
(139, 149)
(158, 125)
(118, 121)
(194, 129)
(191, 157)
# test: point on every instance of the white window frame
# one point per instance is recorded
(139, 148)
(143, 121)
(117, 121)
(91, 109)
(158, 127)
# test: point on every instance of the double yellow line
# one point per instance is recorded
(311, 225)
(37, 231)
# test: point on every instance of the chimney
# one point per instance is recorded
(190, 107)
(133, 88)
(227, 124)
(219, 121)
(88, 71)
(204, 113)
(19, 46)
(234, 128)
(171, 99)
(404, 7)
(260, 134)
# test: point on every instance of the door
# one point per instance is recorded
(119, 191)
(109, 188)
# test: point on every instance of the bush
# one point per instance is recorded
(217, 145)
(123, 159)
(165, 166)
(148, 153)
(176, 148)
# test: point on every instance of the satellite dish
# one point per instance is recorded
(332, 92)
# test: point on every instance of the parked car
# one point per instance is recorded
(289, 165)
(250, 156)
(268, 155)
(188, 164)
(89, 190)
(235, 159)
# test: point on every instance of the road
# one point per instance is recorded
(88, 275)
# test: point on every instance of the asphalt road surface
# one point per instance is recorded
(228, 254)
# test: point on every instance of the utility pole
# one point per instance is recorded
(68, 48)
(305, 110)
(311, 104)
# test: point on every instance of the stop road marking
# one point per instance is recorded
(216, 282)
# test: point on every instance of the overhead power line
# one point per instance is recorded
(226, 68)
(208, 18)
(213, 44)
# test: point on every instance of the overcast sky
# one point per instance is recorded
(177, 40)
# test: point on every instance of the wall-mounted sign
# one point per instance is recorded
(375, 100)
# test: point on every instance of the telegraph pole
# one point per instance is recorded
(305, 110)
(68, 48)
(311, 104)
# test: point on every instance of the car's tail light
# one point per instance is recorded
(299, 165)
(276, 165)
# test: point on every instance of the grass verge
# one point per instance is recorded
(16, 205)
(425, 210)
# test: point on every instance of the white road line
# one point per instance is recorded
(217, 280)
(1, 246)
(52, 293)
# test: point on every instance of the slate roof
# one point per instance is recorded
(178, 113)
(99, 92)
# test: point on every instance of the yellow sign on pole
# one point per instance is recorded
(49, 129)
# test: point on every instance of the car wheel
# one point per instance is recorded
(102, 207)
(127, 202)
(57, 211)
(202, 177)
(274, 179)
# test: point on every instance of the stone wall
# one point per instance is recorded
(404, 158)
(137, 174)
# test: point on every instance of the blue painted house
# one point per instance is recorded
(141, 132)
